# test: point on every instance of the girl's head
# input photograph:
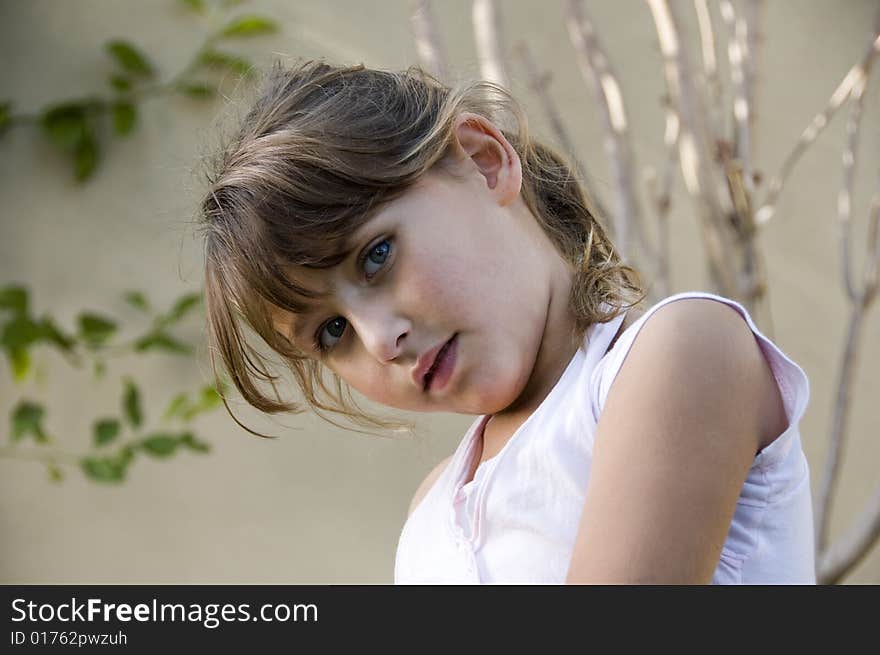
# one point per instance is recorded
(361, 218)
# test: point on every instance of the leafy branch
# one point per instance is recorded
(21, 332)
(74, 126)
(102, 464)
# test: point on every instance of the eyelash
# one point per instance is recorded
(319, 347)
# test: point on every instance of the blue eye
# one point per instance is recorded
(377, 255)
(335, 328)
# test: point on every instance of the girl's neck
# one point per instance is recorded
(554, 354)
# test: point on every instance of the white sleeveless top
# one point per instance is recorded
(516, 521)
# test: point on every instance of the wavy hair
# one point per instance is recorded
(321, 149)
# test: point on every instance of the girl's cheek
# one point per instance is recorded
(368, 381)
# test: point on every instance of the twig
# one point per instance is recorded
(737, 55)
(710, 66)
(860, 301)
(872, 265)
(429, 46)
(596, 70)
(694, 152)
(844, 198)
(847, 551)
(841, 93)
(538, 82)
(659, 257)
(487, 36)
(838, 425)
(754, 15)
(660, 192)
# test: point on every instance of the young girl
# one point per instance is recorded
(382, 232)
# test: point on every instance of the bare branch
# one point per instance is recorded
(538, 82)
(660, 192)
(841, 93)
(597, 71)
(860, 299)
(847, 551)
(838, 425)
(844, 198)
(710, 66)
(737, 55)
(432, 54)
(694, 151)
(841, 557)
(754, 18)
(872, 265)
(487, 35)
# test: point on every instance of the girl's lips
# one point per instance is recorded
(441, 371)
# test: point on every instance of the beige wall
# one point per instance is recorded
(320, 505)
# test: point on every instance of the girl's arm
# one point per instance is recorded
(686, 415)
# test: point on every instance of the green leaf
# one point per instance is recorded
(5, 115)
(160, 445)
(208, 400)
(20, 332)
(121, 83)
(196, 89)
(51, 333)
(125, 455)
(85, 158)
(189, 441)
(250, 25)
(137, 300)
(234, 63)
(130, 58)
(20, 360)
(55, 474)
(131, 403)
(103, 469)
(95, 329)
(180, 309)
(65, 124)
(196, 5)
(177, 405)
(124, 117)
(105, 431)
(14, 298)
(161, 341)
(27, 418)
(99, 368)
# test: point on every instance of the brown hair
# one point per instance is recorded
(321, 149)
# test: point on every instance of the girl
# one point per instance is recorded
(399, 237)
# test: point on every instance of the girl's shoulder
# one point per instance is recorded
(692, 401)
(698, 339)
(427, 483)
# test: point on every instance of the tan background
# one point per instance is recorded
(320, 505)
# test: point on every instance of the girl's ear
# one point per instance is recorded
(477, 140)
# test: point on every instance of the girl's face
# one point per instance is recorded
(458, 262)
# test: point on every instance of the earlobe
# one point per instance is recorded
(480, 142)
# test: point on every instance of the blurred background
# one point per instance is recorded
(116, 464)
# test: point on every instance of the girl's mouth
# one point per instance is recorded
(441, 370)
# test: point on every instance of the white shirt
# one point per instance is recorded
(517, 520)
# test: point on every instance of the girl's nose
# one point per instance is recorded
(381, 332)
